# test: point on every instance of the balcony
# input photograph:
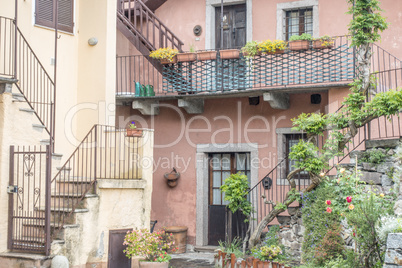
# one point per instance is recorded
(290, 71)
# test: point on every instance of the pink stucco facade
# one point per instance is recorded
(231, 120)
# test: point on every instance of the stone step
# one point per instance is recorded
(211, 249)
(14, 259)
(39, 126)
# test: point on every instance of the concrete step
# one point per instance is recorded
(204, 249)
(27, 110)
(14, 259)
(39, 126)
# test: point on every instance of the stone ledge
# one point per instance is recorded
(121, 184)
(390, 143)
(25, 256)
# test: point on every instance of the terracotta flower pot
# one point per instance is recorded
(229, 54)
(186, 57)
(318, 44)
(133, 132)
(206, 55)
(299, 45)
(166, 61)
(146, 264)
(172, 178)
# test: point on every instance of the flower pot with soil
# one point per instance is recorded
(300, 42)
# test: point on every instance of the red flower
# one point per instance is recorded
(354, 234)
(328, 202)
(349, 199)
(329, 210)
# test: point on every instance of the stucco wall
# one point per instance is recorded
(85, 74)
(224, 121)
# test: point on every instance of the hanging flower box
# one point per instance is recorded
(186, 57)
(319, 44)
(299, 45)
(229, 54)
(206, 55)
(167, 61)
(134, 132)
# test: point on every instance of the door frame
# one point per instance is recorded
(210, 19)
(202, 171)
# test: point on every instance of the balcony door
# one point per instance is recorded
(221, 166)
(234, 26)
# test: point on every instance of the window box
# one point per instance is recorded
(186, 57)
(206, 55)
(299, 45)
(318, 44)
(166, 61)
(229, 54)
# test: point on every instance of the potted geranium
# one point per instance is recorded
(325, 41)
(165, 55)
(151, 246)
(300, 42)
(132, 130)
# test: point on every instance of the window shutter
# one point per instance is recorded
(65, 15)
(44, 13)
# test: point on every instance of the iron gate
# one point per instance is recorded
(29, 199)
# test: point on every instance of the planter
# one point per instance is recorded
(276, 52)
(229, 54)
(186, 57)
(134, 132)
(180, 238)
(172, 178)
(206, 55)
(146, 264)
(318, 44)
(246, 54)
(166, 61)
(299, 45)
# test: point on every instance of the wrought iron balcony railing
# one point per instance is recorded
(292, 68)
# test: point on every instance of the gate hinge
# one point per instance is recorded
(12, 189)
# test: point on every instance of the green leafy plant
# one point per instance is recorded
(151, 246)
(250, 49)
(305, 37)
(236, 188)
(231, 247)
(326, 40)
(132, 125)
(374, 156)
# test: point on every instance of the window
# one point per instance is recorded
(298, 21)
(293, 139)
(45, 13)
(221, 166)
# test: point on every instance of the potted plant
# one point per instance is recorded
(166, 55)
(250, 49)
(206, 55)
(229, 54)
(151, 246)
(325, 41)
(300, 42)
(272, 47)
(132, 130)
(187, 56)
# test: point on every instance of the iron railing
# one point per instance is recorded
(29, 179)
(105, 153)
(18, 60)
(292, 68)
(150, 30)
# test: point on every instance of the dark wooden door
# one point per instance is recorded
(117, 258)
(221, 165)
(234, 26)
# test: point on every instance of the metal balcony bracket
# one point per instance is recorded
(146, 107)
(277, 100)
(192, 106)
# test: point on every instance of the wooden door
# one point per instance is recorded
(234, 26)
(221, 165)
(117, 258)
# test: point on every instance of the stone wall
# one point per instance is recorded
(291, 232)
(393, 255)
